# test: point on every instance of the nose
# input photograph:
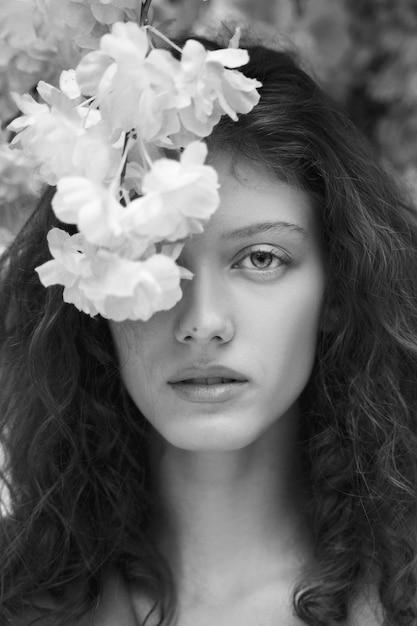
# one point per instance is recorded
(203, 315)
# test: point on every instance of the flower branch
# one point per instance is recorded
(100, 138)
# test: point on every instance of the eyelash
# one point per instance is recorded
(276, 253)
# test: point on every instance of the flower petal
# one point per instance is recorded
(90, 71)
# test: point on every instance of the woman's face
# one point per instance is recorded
(233, 356)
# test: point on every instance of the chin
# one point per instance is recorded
(210, 434)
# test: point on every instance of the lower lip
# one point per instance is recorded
(208, 393)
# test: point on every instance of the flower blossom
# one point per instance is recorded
(59, 138)
(212, 88)
(30, 34)
(100, 282)
(164, 99)
(71, 263)
(92, 207)
(68, 85)
(134, 87)
(179, 196)
(34, 45)
(147, 286)
(99, 139)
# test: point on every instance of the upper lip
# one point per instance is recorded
(214, 371)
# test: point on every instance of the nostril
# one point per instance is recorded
(214, 330)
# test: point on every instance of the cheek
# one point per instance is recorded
(133, 344)
(135, 341)
(289, 334)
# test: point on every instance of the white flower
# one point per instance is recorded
(28, 27)
(134, 89)
(68, 267)
(179, 196)
(133, 290)
(68, 84)
(92, 207)
(213, 89)
(98, 281)
(47, 134)
(62, 138)
(161, 98)
(34, 45)
(99, 138)
(32, 111)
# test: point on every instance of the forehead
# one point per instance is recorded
(250, 194)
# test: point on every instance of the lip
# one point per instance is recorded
(208, 393)
(196, 384)
(213, 371)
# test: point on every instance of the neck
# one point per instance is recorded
(229, 521)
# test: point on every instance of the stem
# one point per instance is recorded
(117, 179)
(166, 39)
(125, 196)
(144, 12)
(87, 102)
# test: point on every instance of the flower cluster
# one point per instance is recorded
(35, 43)
(103, 138)
(40, 38)
(91, 19)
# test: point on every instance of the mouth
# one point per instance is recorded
(208, 375)
(213, 380)
(209, 389)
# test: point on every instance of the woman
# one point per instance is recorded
(248, 456)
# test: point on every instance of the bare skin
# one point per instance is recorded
(229, 527)
(229, 519)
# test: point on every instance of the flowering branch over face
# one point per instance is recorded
(100, 138)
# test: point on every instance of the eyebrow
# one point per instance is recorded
(264, 227)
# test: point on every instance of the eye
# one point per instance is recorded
(261, 258)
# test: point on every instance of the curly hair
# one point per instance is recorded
(76, 445)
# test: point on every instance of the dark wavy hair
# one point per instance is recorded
(76, 446)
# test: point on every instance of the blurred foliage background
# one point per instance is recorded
(363, 52)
